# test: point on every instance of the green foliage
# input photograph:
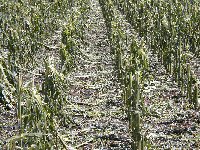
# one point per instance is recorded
(132, 64)
(29, 76)
(66, 59)
(170, 30)
(164, 27)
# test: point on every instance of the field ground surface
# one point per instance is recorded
(97, 107)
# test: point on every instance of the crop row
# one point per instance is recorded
(132, 63)
(171, 30)
(30, 76)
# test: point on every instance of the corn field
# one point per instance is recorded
(96, 74)
(34, 69)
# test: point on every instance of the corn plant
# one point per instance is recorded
(131, 62)
(7, 84)
(38, 114)
(27, 29)
(168, 28)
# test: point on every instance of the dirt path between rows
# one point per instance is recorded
(172, 122)
(95, 89)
